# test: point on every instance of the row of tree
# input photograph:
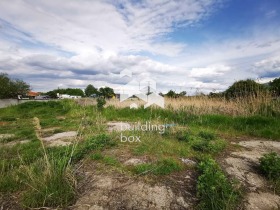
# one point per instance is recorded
(11, 88)
(90, 91)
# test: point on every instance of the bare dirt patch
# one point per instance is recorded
(60, 139)
(109, 189)
(4, 137)
(244, 165)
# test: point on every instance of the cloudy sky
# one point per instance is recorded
(189, 45)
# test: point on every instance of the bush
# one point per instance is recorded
(270, 165)
(244, 88)
(214, 190)
(275, 87)
(100, 103)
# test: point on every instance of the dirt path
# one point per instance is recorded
(244, 164)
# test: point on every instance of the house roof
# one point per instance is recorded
(31, 93)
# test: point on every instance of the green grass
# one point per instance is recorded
(258, 125)
(51, 185)
(41, 180)
(25, 171)
(98, 142)
(214, 189)
(162, 167)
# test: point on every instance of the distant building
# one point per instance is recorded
(65, 96)
(32, 95)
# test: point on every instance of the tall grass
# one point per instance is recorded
(261, 104)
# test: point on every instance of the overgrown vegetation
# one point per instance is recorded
(214, 189)
(270, 166)
(100, 103)
(195, 128)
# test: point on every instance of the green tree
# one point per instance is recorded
(90, 89)
(171, 94)
(244, 88)
(11, 88)
(52, 94)
(106, 92)
(68, 91)
(183, 93)
(274, 86)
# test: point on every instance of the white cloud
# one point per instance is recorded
(212, 71)
(71, 42)
(268, 67)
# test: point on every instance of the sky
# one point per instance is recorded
(183, 45)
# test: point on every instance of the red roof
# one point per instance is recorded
(30, 93)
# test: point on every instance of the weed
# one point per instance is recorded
(214, 190)
(270, 166)
(97, 156)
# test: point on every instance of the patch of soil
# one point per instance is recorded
(244, 165)
(6, 136)
(13, 143)
(3, 123)
(109, 189)
(60, 139)
(8, 202)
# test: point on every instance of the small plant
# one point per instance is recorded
(214, 190)
(100, 103)
(97, 156)
(110, 161)
(206, 135)
(270, 166)
(167, 166)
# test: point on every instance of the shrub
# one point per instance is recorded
(244, 88)
(275, 86)
(100, 103)
(214, 190)
(270, 165)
